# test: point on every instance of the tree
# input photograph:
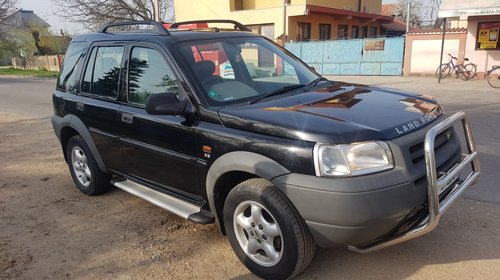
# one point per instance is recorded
(416, 12)
(96, 13)
(6, 8)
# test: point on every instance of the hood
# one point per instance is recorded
(336, 113)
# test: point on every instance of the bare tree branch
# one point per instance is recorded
(416, 12)
(7, 7)
(95, 13)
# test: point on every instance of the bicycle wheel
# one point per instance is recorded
(471, 70)
(494, 77)
(444, 70)
(462, 73)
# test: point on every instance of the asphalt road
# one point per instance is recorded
(28, 97)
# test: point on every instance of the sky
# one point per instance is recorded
(45, 9)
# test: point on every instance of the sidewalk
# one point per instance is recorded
(423, 85)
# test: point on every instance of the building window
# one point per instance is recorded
(304, 31)
(266, 30)
(364, 32)
(488, 35)
(355, 32)
(373, 32)
(342, 31)
(325, 31)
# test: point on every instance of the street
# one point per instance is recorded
(49, 230)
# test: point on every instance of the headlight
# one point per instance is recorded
(352, 159)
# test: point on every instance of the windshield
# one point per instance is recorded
(237, 70)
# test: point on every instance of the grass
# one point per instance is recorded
(29, 73)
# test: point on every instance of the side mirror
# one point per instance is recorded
(165, 104)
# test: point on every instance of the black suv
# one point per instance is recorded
(224, 126)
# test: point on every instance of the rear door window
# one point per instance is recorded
(103, 71)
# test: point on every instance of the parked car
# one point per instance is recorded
(224, 126)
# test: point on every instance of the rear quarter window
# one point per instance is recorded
(72, 65)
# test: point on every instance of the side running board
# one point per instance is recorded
(177, 206)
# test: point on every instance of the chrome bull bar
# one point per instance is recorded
(436, 209)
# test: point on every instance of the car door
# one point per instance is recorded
(159, 150)
(97, 102)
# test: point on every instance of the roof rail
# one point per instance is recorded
(159, 27)
(236, 24)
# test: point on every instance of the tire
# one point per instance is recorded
(471, 70)
(462, 73)
(265, 230)
(494, 77)
(86, 174)
(443, 69)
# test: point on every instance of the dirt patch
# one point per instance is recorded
(52, 231)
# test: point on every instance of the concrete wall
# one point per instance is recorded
(484, 59)
(422, 51)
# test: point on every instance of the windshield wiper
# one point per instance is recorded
(276, 92)
(316, 81)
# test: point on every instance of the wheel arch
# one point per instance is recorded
(233, 168)
(69, 126)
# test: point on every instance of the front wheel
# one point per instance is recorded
(443, 70)
(494, 77)
(265, 230)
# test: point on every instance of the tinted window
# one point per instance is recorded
(102, 72)
(68, 79)
(149, 74)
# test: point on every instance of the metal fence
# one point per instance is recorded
(374, 56)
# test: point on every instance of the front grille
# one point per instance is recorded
(417, 151)
(446, 149)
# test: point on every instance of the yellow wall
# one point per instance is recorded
(316, 20)
(369, 6)
(221, 9)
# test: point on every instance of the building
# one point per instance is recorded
(294, 20)
(397, 27)
(482, 21)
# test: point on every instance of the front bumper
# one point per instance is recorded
(370, 210)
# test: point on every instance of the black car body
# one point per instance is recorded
(192, 145)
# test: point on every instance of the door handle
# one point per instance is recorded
(127, 118)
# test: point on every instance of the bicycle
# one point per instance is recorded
(493, 76)
(464, 72)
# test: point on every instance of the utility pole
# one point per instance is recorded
(156, 10)
(408, 14)
(284, 17)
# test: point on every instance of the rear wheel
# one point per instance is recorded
(470, 69)
(84, 169)
(266, 231)
(494, 78)
(462, 73)
(443, 70)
